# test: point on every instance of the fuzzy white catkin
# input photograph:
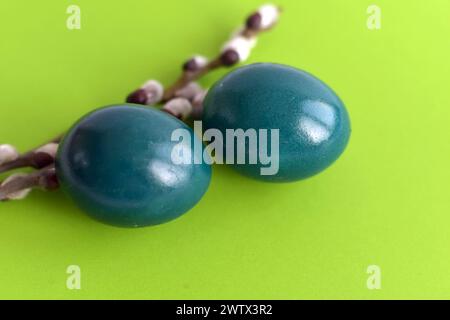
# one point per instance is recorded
(200, 61)
(197, 104)
(7, 153)
(18, 195)
(269, 15)
(199, 98)
(189, 91)
(50, 148)
(242, 45)
(179, 106)
(154, 90)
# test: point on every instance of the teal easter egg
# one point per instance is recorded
(306, 125)
(116, 164)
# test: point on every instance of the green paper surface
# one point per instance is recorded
(385, 202)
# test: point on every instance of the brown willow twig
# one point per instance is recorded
(235, 51)
(227, 58)
(37, 158)
(17, 186)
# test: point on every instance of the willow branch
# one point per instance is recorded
(236, 50)
(19, 185)
(37, 158)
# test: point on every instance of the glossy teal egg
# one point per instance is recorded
(116, 164)
(312, 122)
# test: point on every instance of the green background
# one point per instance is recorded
(385, 202)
